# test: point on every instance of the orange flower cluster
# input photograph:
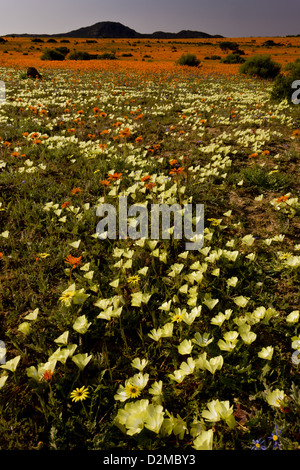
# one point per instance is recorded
(73, 261)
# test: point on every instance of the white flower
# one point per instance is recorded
(185, 347)
(139, 364)
(275, 398)
(266, 353)
(204, 441)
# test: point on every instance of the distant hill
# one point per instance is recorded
(112, 29)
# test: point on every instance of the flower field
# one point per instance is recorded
(141, 344)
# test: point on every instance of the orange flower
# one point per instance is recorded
(173, 162)
(103, 115)
(73, 261)
(114, 176)
(15, 154)
(125, 133)
(1, 254)
(96, 110)
(102, 146)
(282, 199)
(65, 204)
(76, 191)
(105, 182)
(253, 155)
(266, 152)
(146, 178)
(176, 171)
(296, 132)
(149, 185)
(25, 134)
(139, 139)
(47, 375)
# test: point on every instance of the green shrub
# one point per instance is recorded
(282, 88)
(80, 55)
(188, 59)
(261, 66)
(228, 46)
(107, 56)
(63, 50)
(233, 59)
(52, 54)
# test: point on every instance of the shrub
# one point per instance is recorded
(107, 56)
(228, 46)
(52, 54)
(80, 55)
(233, 59)
(188, 59)
(260, 66)
(2, 40)
(282, 88)
(63, 50)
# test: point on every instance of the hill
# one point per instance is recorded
(112, 29)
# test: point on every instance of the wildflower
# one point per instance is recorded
(65, 204)
(185, 347)
(43, 255)
(133, 279)
(204, 440)
(276, 398)
(253, 155)
(146, 178)
(114, 176)
(282, 199)
(266, 353)
(47, 375)
(105, 182)
(76, 191)
(68, 295)
(266, 152)
(125, 133)
(177, 317)
(139, 139)
(139, 364)
(150, 185)
(176, 171)
(1, 255)
(79, 394)
(258, 444)
(73, 261)
(275, 438)
(132, 391)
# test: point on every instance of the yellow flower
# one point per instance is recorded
(79, 394)
(133, 279)
(132, 391)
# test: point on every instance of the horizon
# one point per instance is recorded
(234, 18)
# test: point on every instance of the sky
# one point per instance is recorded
(230, 18)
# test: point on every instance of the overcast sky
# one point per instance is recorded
(230, 18)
